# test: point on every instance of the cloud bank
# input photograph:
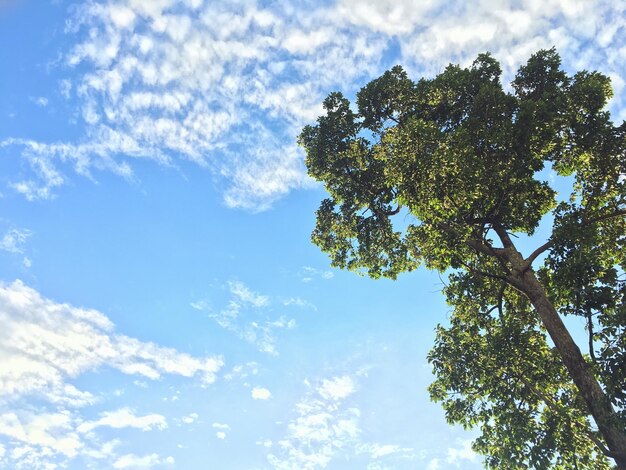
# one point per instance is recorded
(228, 85)
(44, 346)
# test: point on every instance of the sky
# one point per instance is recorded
(161, 303)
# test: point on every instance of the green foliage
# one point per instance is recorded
(495, 370)
(439, 172)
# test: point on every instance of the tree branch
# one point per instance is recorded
(500, 298)
(559, 409)
(484, 273)
(503, 234)
(600, 218)
(533, 256)
(592, 353)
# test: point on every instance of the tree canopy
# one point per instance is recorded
(445, 172)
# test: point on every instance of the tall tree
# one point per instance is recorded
(445, 172)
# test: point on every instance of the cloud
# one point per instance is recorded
(39, 101)
(43, 344)
(241, 371)
(223, 430)
(245, 295)
(308, 274)
(247, 314)
(457, 455)
(146, 462)
(53, 431)
(337, 388)
(433, 464)
(190, 418)
(260, 393)
(13, 240)
(298, 302)
(124, 418)
(377, 450)
(322, 428)
(327, 428)
(228, 85)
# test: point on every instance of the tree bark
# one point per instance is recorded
(525, 280)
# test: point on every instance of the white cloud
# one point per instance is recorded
(40, 101)
(337, 388)
(298, 302)
(136, 462)
(326, 428)
(309, 273)
(433, 464)
(223, 430)
(51, 432)
(267, 443)
(392, 17)
(322, 428)
(190, 418)
(249, 316)
(44, 343)
(241, 371)
(245, 295)
(13, 240)
(228, 85)
(378, 450)
(124, 418)
(457, 455)
(260, 393)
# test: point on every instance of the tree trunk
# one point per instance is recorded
(597, 402)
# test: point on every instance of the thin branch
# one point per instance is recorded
(503, 234)
(533, 256)
(394, 211)
(500, 298)
(484, 273)
(600, 218)
(592, 353)
(559, 409)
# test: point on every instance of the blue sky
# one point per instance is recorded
(162, 305)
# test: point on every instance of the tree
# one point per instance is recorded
(444, 172)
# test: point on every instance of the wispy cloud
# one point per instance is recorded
(141, 463)
(39, 101)
(309, 273)
(298, 302)
(456, 455)
(42, 431)
(44, 346)
(242, 293)
(322, 428)
(222, 430)
(125, 418)
(14, 240)
(337, 388)
(190, 418)
(228, 85)
(260, 393)
(44, 343)
(248, 315)
(327, 427)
